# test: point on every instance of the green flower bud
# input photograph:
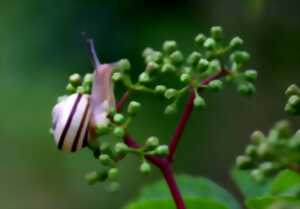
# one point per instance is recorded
(251, 150)
(203, 64)
(88, 79)
(162, 150)
(284, 129)
(294, 143)
(185, 78)
(70, 88)
(257, 137)
(246, 89)
(160, 89)
(267, 168)
(257, 175)
(215, 85)
(105, 159)
(214, 65)
(152, 142)
(117, 76)
(167, 68)
(147, 52)
(194, 58)
(171, 109)
(133, 107)
(80, 89)
(200, 38)
(250, 75)
(176, 57)
(144, 77)
(264, 150)
(145, 168)
(105, 147)
(75, 79)
(236, 42)
(243, 162)
(102, 129)
(119, 118)
(169, 46)
(209, 43)
(199, 101)
(119, 132)
(152, 66)
(292, 89)
(290, 109)
(92, 177)
(294, 100)
(169, 93)
(113, 174)
(121, 148)
(124, 65)
(240, 56)
(216, 32)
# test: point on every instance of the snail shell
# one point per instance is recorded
(71, 118)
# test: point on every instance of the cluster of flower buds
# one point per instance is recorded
(189, 70)
(266, 155)
(79, 84)
(293, 104)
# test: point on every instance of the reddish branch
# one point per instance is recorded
(164, 164)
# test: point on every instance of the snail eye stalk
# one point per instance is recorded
(90, 45)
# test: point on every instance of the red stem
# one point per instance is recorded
(187, 113)
(122, 101)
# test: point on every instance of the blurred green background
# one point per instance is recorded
(40, 45)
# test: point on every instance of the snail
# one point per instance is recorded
(75, 117)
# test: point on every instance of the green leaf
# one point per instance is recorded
(286, 183)
(247, 185)
(198, 192)
(273, 203)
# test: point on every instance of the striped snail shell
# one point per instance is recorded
(71, 118)
(75, 117)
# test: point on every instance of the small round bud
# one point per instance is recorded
(145, 168)
(169, 46)
(250, 75)
(119, 132)
(119, 118)
(294, 100)
(251, 150)
(144, 77)
(290, 109)
(176, 57)
(167, 68)
(243, 162)
(124, 65)
(215, 85)
(284, 129)
(185, 78)
(200, 38)
(105, 147)
(113, 174)
(209, 43)
(152, 66)
(162, 150)
(214, 65)
(133, 107)
(105, 159)
(170, 109)
(169, 93)
(203, 64)
(117, 76)
(258, 175)
(80, 89)
(257, 137)
(88, 79)
(199, 101)
(216, 32)
(236, 42)
(240, 57)
(246, 89)
(75, 79)
(102, 129)
(92, 177)
(292, 89)
(70, 88)
(121, 148)
(147, 52)
(264, 150)
(160, 89)
(267, 168)
(152, 142)
(193, 58)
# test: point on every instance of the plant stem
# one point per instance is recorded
(175, 139)
(122, 101)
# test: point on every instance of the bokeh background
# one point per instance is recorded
(40, 45)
